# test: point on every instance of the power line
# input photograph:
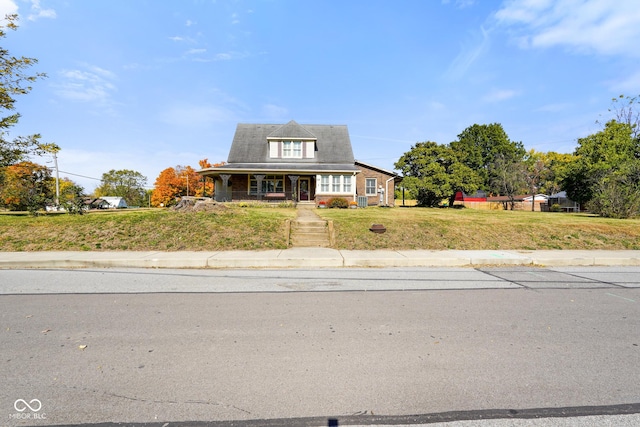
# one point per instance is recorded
(82, 176)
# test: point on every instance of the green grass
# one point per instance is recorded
(431, 228)
(162, 230)
(234, 227)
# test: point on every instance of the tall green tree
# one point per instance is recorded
(626, 109)
(604, 163)
(124, 183)
(556, 170)
(481, 147)
(508, 177)
(433, 172)
(14, 80)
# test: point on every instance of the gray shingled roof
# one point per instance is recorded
(300, 167)
(292, 130)
(250, 143)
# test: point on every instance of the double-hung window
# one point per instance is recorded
(346, 184)
(292, 149)
(370, 186)
(336, 184)
(324, 183)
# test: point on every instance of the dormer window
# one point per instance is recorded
(292, 149)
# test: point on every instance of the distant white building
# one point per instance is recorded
(540, 198)
(115, 202)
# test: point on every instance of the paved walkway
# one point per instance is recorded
(315, 258)
(307, 212)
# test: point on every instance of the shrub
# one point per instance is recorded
(338, 202)
(555, 208)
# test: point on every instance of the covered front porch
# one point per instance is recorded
(263, 187)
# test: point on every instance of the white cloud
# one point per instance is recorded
(469, 54)
(195, 51)
(7, 7)
(630, 85)
(601, 26)
(38, 12)
(90, 84)
(498, 95)
(460, 4)
(228, 56)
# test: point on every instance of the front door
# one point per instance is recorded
(303, 189)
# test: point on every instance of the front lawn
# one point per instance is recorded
(432, 228)
(232, 227)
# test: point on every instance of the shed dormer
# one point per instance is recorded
(292, 141)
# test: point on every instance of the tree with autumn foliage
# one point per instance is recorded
(179, 181)
(27, 186)
(166, 188)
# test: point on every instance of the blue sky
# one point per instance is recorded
(151, 84)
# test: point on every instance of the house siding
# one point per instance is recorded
(325, 151)
(381, 180)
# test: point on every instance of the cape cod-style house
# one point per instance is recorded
(300, 163)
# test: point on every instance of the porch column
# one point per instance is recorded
(204, 186)
(259, 179)
(225, 183)
(294, 187)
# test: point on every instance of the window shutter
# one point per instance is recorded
(273, 149)
(309, 154)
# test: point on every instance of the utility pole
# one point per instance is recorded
(53, 149)
(55, 164)
(187, 177)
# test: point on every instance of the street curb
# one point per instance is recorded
(315, 258)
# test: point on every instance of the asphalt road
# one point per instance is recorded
(318, 347)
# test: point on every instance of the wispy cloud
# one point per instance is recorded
(222, 56)
(498, 95)
(629, 85)
(460, 4)
(588, 26)
(196, 51)
(470, 53)
(89, 83)
(37, 11)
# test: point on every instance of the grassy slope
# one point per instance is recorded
(261, 228)
(162, 230)
(422, 228)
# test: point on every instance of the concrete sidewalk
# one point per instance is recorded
(315, 258)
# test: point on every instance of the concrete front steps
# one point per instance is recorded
(308, 230)
(309, 233)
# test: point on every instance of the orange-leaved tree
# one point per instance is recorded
(173, 183)
(166, 188)
(26, 186)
